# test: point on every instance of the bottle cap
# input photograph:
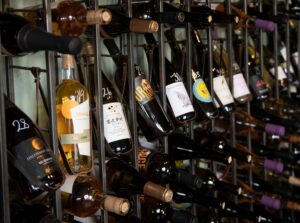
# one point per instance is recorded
(158, 192)
(116, 205)
(67, 61)
(143, 26)
(275, 129)
(265, 25)
(270, 202)
(89, 51)
(100, 16)
(294, 181)
(294, 138)
(273, 165)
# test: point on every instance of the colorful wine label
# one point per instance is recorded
(179, 99)
(273, 165)
(201, 92)
(142, 158)
(115, 124)
(275, 129)
(270, 202)
(258, 85)
(143, 90)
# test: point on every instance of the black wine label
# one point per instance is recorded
(257, 84)
(35, 157)
(143, 90)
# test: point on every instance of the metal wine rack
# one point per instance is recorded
(128, 41)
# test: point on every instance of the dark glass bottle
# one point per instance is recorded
(125, 180)
(148, 10)
(152, 119)
(154, 211)
(182, 147)
(120, 23)
(178, 98)
(116, 129)
(201, 93)
(19, 37)
(28, 152)
(161, 168)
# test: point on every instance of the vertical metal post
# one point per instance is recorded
(288, 49)
(51, 81)
(298, 49)
(230, 61)
(162, 70)
(4, 199)
(276, 52)
(132, 102)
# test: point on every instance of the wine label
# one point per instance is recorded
(273, 165)
(34, 159)
(280, 72)
(143, 90)
(295, 57)
(270, 202)
(240, 87)
(275, 129)
(258, 84)
(81, 124)
(142, 158)
(179, 99)
(68, 184)
(115, 124)
(222, 90)
(283, 53)
(201, 92)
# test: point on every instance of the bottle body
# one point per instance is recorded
(82, 196)
(73, 122)
(33, 165)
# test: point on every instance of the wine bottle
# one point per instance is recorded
(152, 119)
(116, 129)
(70, 17)
(282, 107)
(161, 168)
(31, 160)
(73, 119)
(184, 194)
(112, 218)
(241, 92)
(182, 147)
(35, 213)
(203, 18)
(125, 180)
(121, 23)
(206, 215)
(217, 16)
(82, 196)
(266, 116)
(201, 93)
(218, 141)
(246, 20)
(246, 122)
(148, 10)
(159, 212)
(211, 183)
(19, 37)
(176, 92)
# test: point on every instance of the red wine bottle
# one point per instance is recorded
(178, 98)
(19, 37)
(28, 151)
(161, 168)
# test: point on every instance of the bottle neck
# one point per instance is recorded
(68, 74)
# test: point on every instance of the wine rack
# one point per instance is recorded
(128, 45)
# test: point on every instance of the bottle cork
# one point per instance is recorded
(143, 26)
(100, 16)
(119, 206)
(68, 61)
(89, 51)
(158, 192)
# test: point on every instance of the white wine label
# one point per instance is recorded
(68, 184)
(179, 99)
(90, 219)
(143, 90)
(115, 124)
(280, 71)
(240, 87)
(222, 91)
(283, 53)
(201, 92)
(81, 122)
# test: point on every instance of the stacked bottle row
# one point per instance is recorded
(205, 123)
